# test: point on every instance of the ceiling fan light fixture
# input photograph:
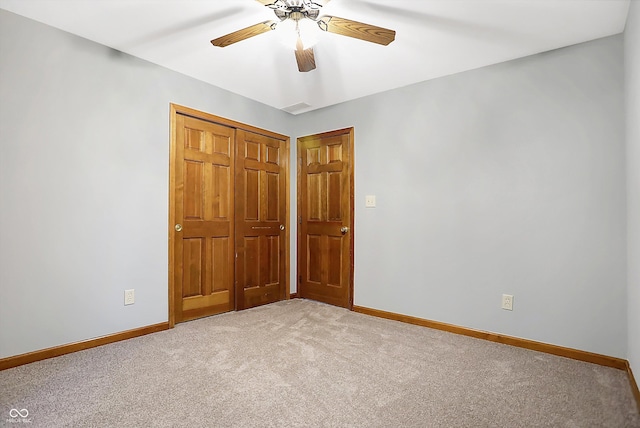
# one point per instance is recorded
(308, 31)
(289, 31)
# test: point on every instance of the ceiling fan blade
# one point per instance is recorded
(240, 35)
(305, 58)
(358, 30)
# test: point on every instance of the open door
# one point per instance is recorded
(325, 217)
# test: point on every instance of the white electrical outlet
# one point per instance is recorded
(129, 297)
(507, 302)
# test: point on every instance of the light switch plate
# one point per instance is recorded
(370, 201)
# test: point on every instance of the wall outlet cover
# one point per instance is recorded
(507, 302)
(129, 297)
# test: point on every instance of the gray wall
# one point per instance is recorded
(506, 179)
(84, 151)
(632, 75)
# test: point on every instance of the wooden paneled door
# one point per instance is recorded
(325, 217)
(204, 210)
(215, 264)
(261, 219)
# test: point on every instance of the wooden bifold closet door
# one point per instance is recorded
(228, 239)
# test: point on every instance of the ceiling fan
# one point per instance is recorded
(299, 10)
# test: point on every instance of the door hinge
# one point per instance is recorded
(299, 219)
(299, 279)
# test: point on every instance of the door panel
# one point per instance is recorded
(261, 217)
(203, 282)
(325, 210)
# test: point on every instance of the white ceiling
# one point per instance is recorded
(434, 38)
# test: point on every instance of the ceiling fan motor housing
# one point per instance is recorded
(296, 10)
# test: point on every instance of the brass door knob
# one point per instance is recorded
(282, 227)
(178, 227)
(344, 229)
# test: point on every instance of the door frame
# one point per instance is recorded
(174, 110)
(345, 131)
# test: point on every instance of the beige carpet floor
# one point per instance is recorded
(305, 364)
